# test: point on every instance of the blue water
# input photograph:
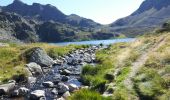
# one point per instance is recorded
(96, 42)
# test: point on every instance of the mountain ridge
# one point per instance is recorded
(46, 13)
(46, 23)
(150, 15)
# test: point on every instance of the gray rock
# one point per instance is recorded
(23, 91)
(73, 87)
(6, 88)
(48, 84)
(39, 56)
(29, 73)
(15, 93)
(62, 88)
(61, 98)
(34, 68)
(65, 72)
(64, 78)
(66, 95)
(54, 91)
(37, 94)
(31, 80)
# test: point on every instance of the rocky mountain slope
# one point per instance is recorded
(47, 13)
(45, 23)
(151, 14)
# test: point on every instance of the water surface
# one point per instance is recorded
(96, 42)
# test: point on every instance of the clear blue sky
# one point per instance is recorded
(102, 11)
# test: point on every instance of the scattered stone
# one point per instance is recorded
(54, 91)
(66, 95)
(65, 72)
(64, 78)
(29, 73)
(31, 80)
(34, 68)
(48, 84)
(72, 87)
(62, 88)
(23, 91)
(15, 93)
(85, 87)
(11, 81)
(37, 94)
(61, 98)
(6, 88)
(106, 94)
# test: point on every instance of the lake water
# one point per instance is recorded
(96, 42)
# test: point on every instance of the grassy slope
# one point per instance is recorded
(11, 62)
(151, 82)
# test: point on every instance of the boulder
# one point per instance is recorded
(62, 88)
(73, 87)
(48, 84)
(39, 56)
(6, 88)
(37, 94)
(34, 68)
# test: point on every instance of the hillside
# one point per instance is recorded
(150, 15)
(45, 23)
(130, 71)
(46, 13)
(137, 70)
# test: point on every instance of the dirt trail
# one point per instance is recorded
(140, 62)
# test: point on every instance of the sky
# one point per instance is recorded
(101, 11)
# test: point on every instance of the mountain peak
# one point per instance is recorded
(17, 2)
(149, 4)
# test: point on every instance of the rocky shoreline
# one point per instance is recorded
(50, 79)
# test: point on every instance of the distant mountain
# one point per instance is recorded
(45, 23)
(47, 13)
(14, 27)
(151, 14)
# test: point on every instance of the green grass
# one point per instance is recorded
(121, 56)
(12, 60)
(85, 94)
(122, 76)
(149, 84)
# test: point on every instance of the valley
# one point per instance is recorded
(48, 55)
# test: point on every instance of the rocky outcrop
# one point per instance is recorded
(39, 56)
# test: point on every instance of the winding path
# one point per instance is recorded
(140, 62)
